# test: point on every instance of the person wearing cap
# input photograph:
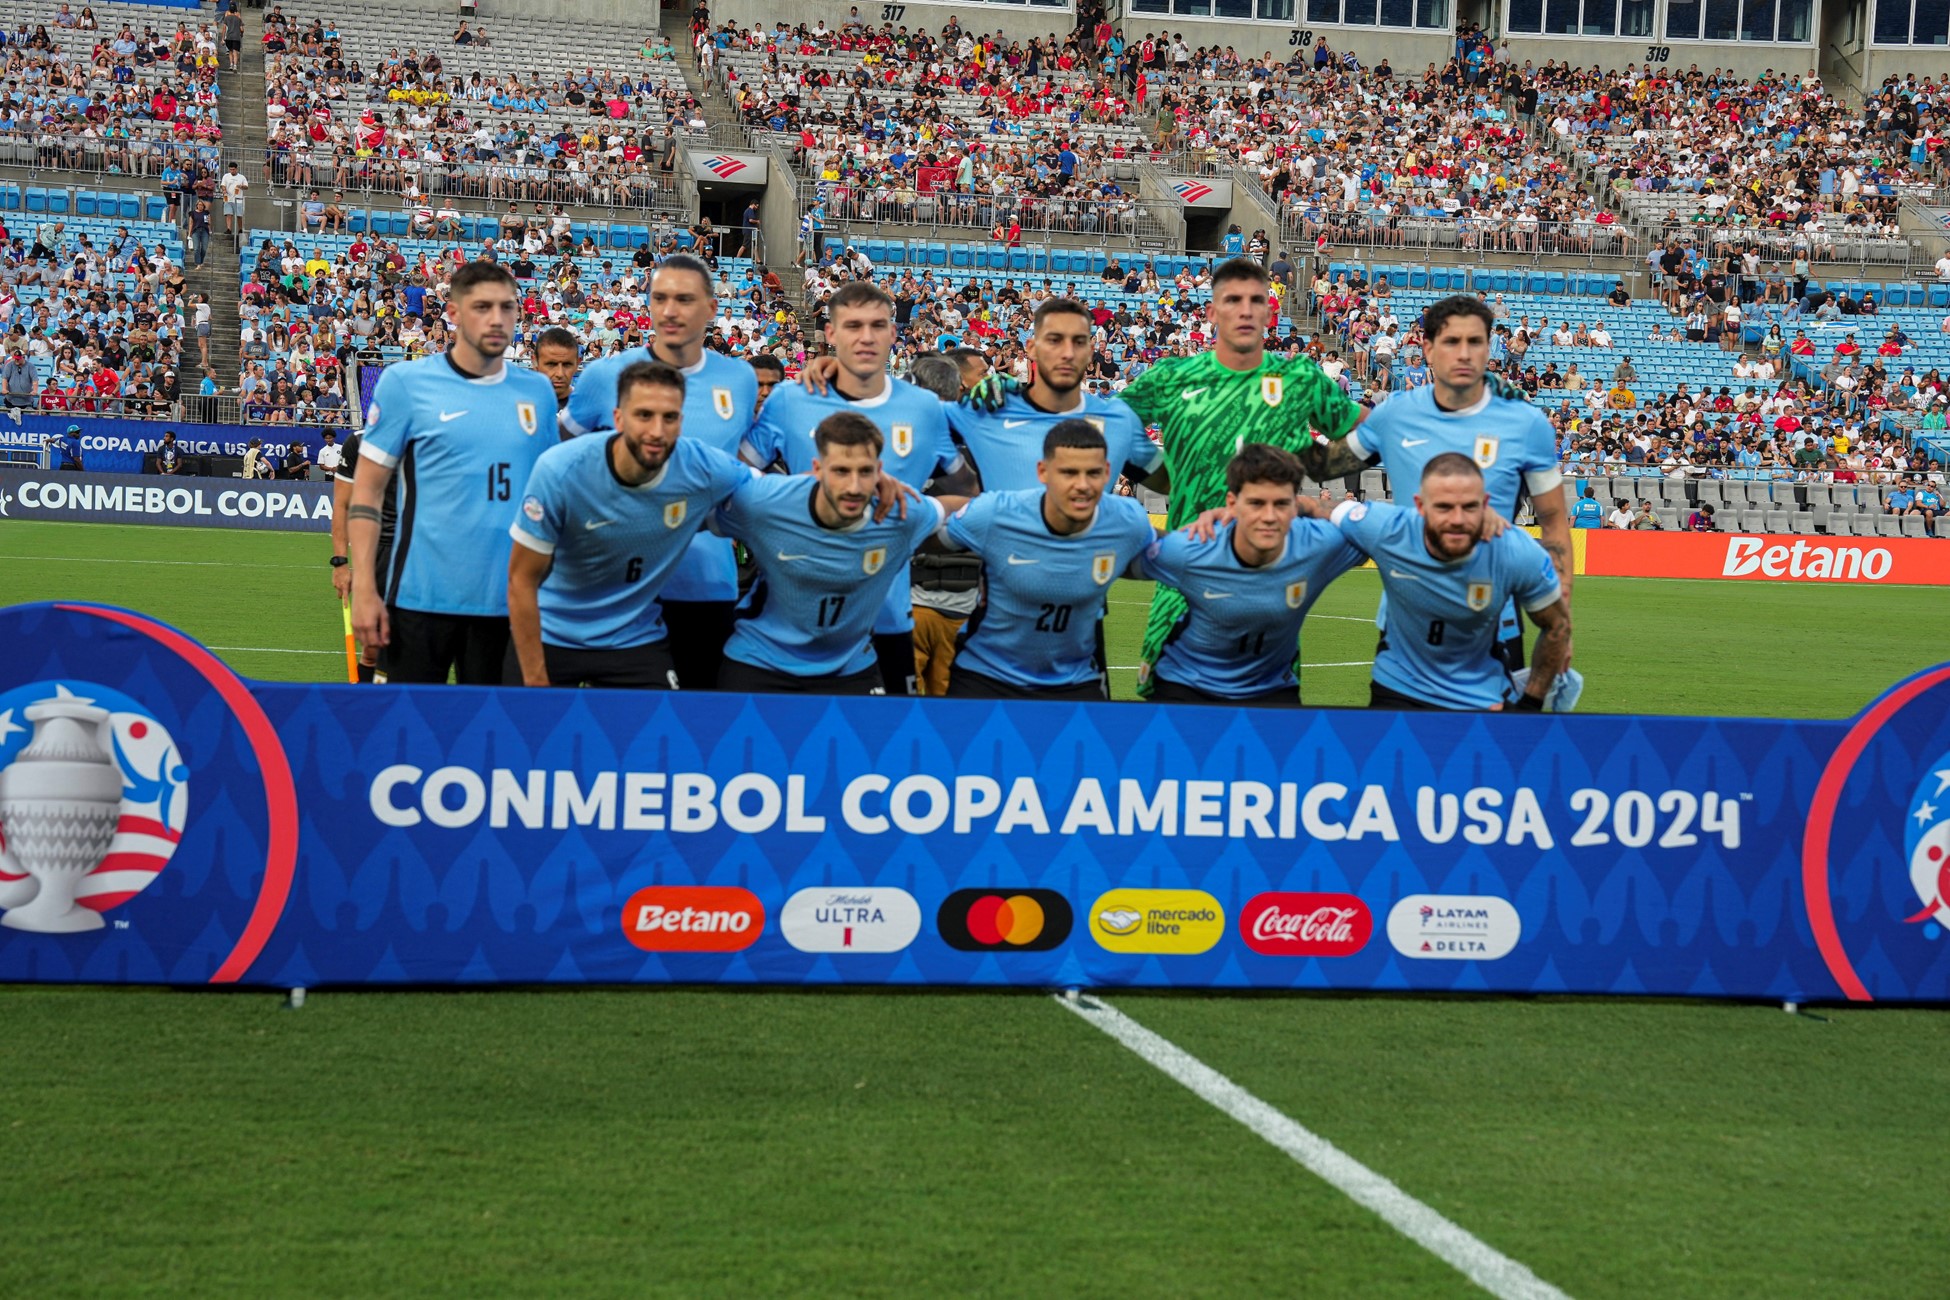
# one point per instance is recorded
(66, 451)
(19, 381)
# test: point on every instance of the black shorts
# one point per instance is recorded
(1164, 691)
(895, 651)
(631, 668)
(428, 648)
(696, 631)
(967, 684)
(750, 679)
(1381, 697)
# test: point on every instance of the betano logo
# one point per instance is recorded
(1004, 920)
(1749, 557)
(693, 918)
(1178, 921)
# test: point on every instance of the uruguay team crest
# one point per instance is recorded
(721, 402)
(93, 798)
(1479, 595)
(1272, 388)
(903, 440)
(873, 560)
(1486, 452)
(1296, 594)
(525, 412)
(674, 512)
(1103, 566)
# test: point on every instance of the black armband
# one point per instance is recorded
(370, 513)
(1528, 703)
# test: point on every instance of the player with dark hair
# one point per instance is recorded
(603, 524)
(454, 436)
(1050, 555)
(1446, 586)
(558, 355)
(770, 373)
(720, 402)
(825, 564)
(945, 585)
(1247, 587)
(1460, 411)
(917, 448)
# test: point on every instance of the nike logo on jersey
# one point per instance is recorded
(1413, 442)
(1190, 393)
(448, 417)
(1014, 424)
(784, 556)
(1017, 559)
(1216, 595)
(592, 525)
(1411, 577)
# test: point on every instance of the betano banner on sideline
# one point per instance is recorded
(166, 822)
(112, 446)
(1889, 561)
(297, 506)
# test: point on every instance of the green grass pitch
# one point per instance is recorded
(705, 1143)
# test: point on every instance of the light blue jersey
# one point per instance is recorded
(460, 450)
(811, 613)
(720, 395)
(1006, 444)
(1042, 594)
(1238, 634)
(915, 426)
(1512, 442)
(1443, 615)
(615, 546)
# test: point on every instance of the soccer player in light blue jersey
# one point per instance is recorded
(912, 420)
(1510, 440)
(1247, 588)
(454, 437)
(825, 566)
(1446, 588)
(1007, 444)
(720, 402)
(1050, 556)
(603, 524)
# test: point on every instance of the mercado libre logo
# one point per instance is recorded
(1890, 948)
(93, 798)
(1004, 920)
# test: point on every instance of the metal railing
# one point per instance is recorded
(1574, 239)
(223, 408)
(641, 189)
(1132, 219)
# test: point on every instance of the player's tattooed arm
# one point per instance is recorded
(1326, 460)
(1550, 657)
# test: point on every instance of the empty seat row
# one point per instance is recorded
(1489, 279)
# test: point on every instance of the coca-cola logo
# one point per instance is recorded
(1306, 925)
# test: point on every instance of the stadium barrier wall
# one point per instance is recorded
(168, 823)
(284, 505)
(114, 446)
(1757, 557)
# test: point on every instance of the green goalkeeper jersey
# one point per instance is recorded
(1204, 413)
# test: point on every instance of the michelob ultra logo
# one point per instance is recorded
(1181, 921)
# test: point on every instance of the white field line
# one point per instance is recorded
(1475, 1259)
(272, 650)
(1346, 663)
(186, 564)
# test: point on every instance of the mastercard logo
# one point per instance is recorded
(1005, 920)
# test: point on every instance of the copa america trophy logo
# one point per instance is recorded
(93, 797)
(1927, 835)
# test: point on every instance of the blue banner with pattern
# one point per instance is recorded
(163, 821)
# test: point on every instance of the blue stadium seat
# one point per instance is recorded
(128, 207)
(154, 206)
(896, 250)
(1418, 277)
(937, 255)
(1398, 277)
(36, 199)
(1918, 296)
(1018, 259)
(10, 198)
(961, 255)
(1940, 295)
(1335, 270)
(57, 200)
(1059, 261)
(84, 203)
(1099, 259)
(1554, 282)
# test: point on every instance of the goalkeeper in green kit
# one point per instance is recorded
(1207, 407)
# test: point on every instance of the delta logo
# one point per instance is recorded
(1306, 925)
(693, 918)
(1004, 920)
(1181, 922)
(93, 799)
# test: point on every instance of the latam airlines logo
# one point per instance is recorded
(93, 798)
(1454, 927)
